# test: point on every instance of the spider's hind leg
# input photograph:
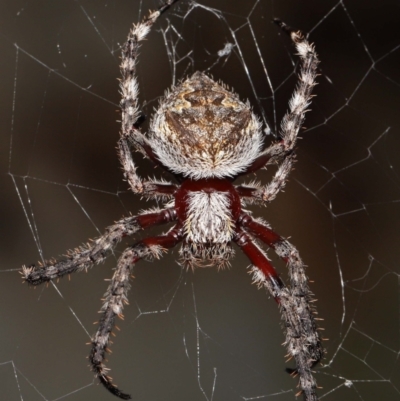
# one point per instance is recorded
(298, 279)
(302, 338)
(117, 295)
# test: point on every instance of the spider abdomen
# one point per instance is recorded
(204, 130)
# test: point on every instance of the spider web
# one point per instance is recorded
(208, 335)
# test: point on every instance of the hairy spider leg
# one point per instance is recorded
(302, 338)
(117, 295)
(130, 132)
(96, 251)
(260, 261)
(291, 123)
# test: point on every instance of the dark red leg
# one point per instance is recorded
(261, 231)
(284, 249)
(258, 163)
(151, 219)
(302, 338)
(96, 252)
(117, 295)
(260, 261)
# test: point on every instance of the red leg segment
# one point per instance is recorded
(302, 338)
(285, 250)
(95, 252)
(260, 261)
(152, 219)
(261, 231)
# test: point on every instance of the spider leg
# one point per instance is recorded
(96, 252)
(309, 341)
(261, 194)
(117, 295)
(129, 88)
(291, 123)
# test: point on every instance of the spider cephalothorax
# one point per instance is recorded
(208, 209)
(205, 136)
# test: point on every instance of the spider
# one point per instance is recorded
(206, 137)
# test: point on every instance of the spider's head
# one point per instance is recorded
(202, 130)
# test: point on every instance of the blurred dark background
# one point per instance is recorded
(209, 335)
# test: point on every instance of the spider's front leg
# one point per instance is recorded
(302, 338)
(95, 252)
(116, 296)
(291, 123)
(129, 88)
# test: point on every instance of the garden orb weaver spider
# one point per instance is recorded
(205, 136)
